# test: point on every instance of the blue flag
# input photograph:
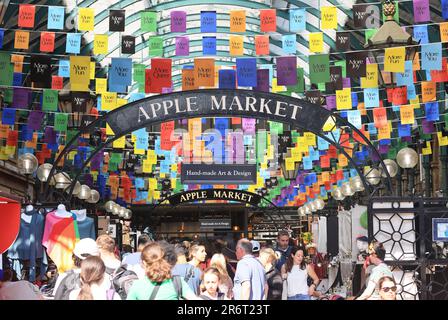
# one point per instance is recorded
(289, 43)
(432, 111)
(120, 74)
(227, 79)
(64, 68)
(412, 94)
(432, 56)
(445, 9)
(371, 97)
(8, 116)
(404, 130)
(208, 21)
(406, 78)
(209, 46)
(17, 79)
(421, 33)
(55, 18)
(246, 69)
(73, 43)
(297, 20)
(2, 35)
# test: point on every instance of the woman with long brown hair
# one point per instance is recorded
(158, 284)
(95, 284)
(295, 273)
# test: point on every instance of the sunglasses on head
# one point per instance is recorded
(386, 289)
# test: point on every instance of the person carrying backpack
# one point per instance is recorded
(158, 283)
(70, 280)
(189, 270)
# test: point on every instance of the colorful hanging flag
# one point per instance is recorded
(204, 72)
(407, 114)
(208, 21)
(236, 45)
(79, 73)
(26, 16)
(394, 59)
(117, 20)
(289, 43)
(319, 68)
(421, 11)
(432, 56)
(73, 43)
(47, 41)
(148, 21)
(55, 18)
(182, 46)
(178, 21)
(343, 99)
(227, 79)
(246, 70)
(237, 20)
(100, 44)
(329, 18)
(86, 19)
(268, 20)
(21, 40)
(316, 42)
(155, 46)
(297, 20)
(262, 45)
(128, 44)
(209, 46)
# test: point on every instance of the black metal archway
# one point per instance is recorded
(295, 112)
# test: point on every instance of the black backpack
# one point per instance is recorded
(72, 281)
(122, 280)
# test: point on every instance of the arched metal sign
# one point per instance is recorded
(237, 103)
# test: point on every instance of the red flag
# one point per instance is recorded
(26, 15)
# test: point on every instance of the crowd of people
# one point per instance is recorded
(182, 270)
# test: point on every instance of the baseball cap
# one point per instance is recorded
(86, 247)
(255, 246)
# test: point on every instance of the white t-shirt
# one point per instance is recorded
(297, 281)
(19, 290)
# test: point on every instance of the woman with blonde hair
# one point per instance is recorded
(274, 279)
(95, 285)
(158, 284)
(211, 279)
(219, 262)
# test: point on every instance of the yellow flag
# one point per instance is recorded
(394, 59)
(342, 161)
(443, 141)
(276, 88)
(384, 131)
(100, 85)
(157, 194)
(86, 19)
(344, 99)
(121, 102)
(371, 78)
(152, 157)
(17, 59)
(152, 183)
(238, 21)
(329, 18)
(92, 70)
(119, 143)
(139, 151)
(108, 101)
(443, 31)
(428, 149)
(146, 166)
(100, 44)
(109, 130)
(79, 73)
(316, 42)
(407, 114)
(236, 45)
(173, 183)
(289, 164)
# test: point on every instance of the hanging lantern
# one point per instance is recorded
(44, 171)
(84, 193)
(115, 209)
(337, 194)
(373, 176)
(109, 205)
(391, 167)
(307, 208)
(27, 163)
(356, 184)
(62, 180)
(320, 204)
(128, 214)
(407, 158)
(122, 212)
(76, 189)
(94, 196)
(301, 212)
(313, 206)
(347, 190)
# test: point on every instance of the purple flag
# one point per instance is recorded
(21, 98)
(421, 11)
(287, 71)
(383, 148)
(178, 21)
(428, 126)
(35, 119)
(248, 125)
(96, 161)
(50, 135)
(88, 180)
(346, 82)
(331, 102)
(262, 80)
(182, 46)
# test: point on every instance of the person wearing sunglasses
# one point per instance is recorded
(388, 288)
(377, 253)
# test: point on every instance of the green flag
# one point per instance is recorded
(6, 69)
(60, 122)
(319, 68)
(50, 100)
(300, 87)
(276, 127)
(155, 46)
(139, 73)
(148, 21)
